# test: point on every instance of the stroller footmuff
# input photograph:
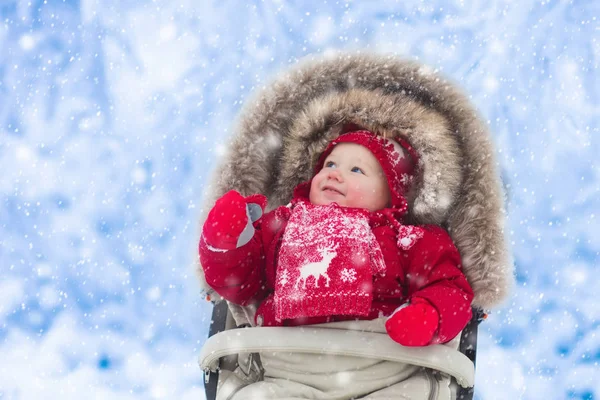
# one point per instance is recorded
(275, 147)
(338, 360)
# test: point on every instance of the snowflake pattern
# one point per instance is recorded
(408, 235)
(405, 179)
(284, 277)
(348, 275)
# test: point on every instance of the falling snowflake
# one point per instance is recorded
(348, 275)
(284, 277)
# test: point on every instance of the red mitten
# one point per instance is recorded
(229, 223)
(413, 324)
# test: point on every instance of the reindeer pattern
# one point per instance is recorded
(314, 240)
(327, 256)
(318, 269)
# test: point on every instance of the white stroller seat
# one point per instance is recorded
(319, 340)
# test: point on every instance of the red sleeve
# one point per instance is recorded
(240, 275)
(433, 273)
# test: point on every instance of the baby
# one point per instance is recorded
(340, 250)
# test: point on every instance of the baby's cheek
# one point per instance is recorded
(357, 188)
(313, 188)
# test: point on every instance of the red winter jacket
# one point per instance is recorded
(428, 268)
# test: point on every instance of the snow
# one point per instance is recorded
(113, 114)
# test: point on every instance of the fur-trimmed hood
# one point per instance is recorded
(283, 130)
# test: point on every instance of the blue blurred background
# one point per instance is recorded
(113, 114)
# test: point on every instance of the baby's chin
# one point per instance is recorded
(342, 202)
(324, 201)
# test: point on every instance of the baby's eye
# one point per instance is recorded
(330, 164)
(358, 170)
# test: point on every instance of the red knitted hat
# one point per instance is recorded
(396, 157)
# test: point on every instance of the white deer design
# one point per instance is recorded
(318, 269)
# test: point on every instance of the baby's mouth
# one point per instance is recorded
(331, 189)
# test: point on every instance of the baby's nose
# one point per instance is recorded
(335, 174)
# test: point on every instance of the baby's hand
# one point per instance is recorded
(229, 223)
(414, 324)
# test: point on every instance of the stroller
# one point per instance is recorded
(279, 136)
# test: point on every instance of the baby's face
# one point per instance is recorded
(351, 177)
